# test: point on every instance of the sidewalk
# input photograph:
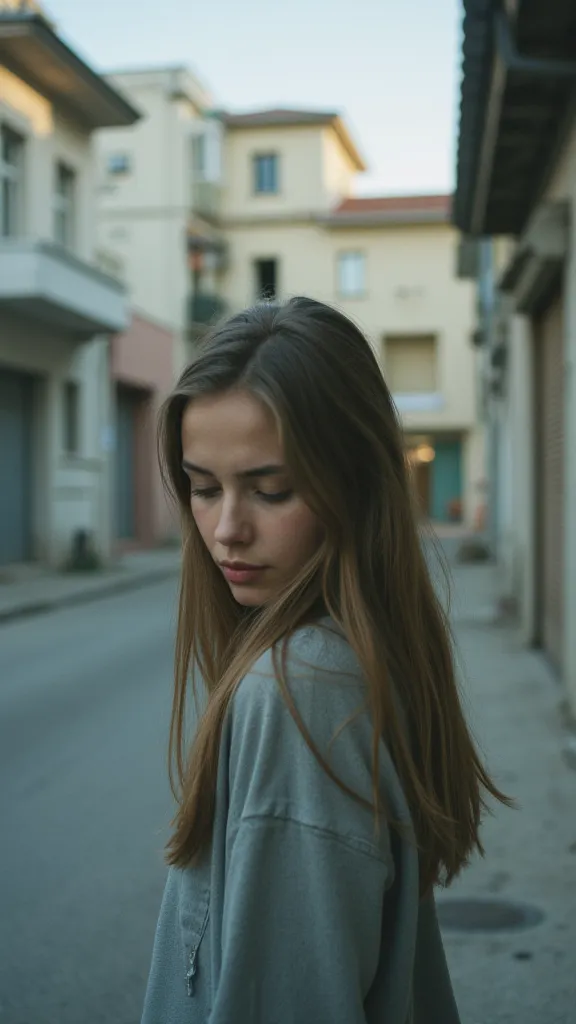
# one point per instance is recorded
(527, 975)
(31, 590)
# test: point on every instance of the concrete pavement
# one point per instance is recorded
(524, 976)
(32, 589)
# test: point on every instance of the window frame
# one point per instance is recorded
(12, 184)
(257, 158)
(356, 293)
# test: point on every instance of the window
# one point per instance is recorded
(71, 418)
(352, 274)
(119, 163)
(64, 205)
(11, 182)
(411, 364)
(266, 273)
(266, 173)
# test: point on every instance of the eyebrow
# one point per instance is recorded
(247, 474)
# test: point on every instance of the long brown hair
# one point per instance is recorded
(343, 444)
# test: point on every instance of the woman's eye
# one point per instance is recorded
(204, 492)
(272, 498)
(276, 498)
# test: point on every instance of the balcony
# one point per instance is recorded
(205, 309)
(206, 199)
(42, 281)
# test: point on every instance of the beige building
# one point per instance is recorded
(57, 307)
(516, 202)
(159, 187)
(210, 211)
(292, 227)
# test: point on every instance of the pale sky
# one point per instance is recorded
(391, 67)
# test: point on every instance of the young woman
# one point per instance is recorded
(331, 781)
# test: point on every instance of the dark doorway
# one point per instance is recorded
(266, 279)
(16, 395)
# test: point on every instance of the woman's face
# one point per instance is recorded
(258, 530)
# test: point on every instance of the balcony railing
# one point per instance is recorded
(205, 309)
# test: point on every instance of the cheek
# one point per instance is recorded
(205, 522)
(298, 533)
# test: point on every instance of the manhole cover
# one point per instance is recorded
(461, 915)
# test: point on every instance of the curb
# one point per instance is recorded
(30, 609)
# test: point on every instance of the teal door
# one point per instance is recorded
(446, 480)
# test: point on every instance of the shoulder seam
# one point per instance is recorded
(355, 843)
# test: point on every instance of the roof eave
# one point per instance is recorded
(491, 63)
(105, 106)
(348, 144)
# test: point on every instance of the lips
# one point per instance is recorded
(241, 572)
(240, 566)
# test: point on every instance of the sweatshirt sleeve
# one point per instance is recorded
(301, 926)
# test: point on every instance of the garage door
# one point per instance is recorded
(16, 392)
(549, 375)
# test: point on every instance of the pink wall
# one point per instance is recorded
(142, 359)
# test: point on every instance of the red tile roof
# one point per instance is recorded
(367, 210)
(395, 204)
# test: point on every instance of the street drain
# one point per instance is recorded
(460, 915)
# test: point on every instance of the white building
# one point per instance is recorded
(57, 308)
(159, 199)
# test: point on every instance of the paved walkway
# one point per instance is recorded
(30, 590)
(525, 976)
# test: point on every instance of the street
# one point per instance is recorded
(84, 705)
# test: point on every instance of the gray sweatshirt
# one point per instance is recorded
(300, 913)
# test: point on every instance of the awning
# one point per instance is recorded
(32, 50)
(519, 76)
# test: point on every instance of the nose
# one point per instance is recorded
(234, 526)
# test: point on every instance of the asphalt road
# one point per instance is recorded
(84, 807)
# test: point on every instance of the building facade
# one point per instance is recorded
(58, 308)
(141, 369)
(210, 211)
(159, 187)
(292, 227)
(515, 205)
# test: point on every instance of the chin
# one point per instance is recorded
(250, 598)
